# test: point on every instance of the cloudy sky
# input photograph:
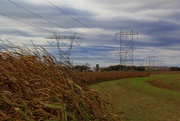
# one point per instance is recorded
(97, 21)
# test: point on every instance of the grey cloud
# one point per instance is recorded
(145, 17)
(47, 11)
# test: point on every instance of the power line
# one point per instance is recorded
(58, 24)
(102, 61)
(34, 25)
(76, 19)
(87, 50)
(26, 23)
(47, 31)
(78, 22)
(84, 56)
(41, 16)
(37, 15)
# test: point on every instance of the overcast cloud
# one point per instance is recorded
(156, 22)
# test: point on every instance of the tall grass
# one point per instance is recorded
(34, 86)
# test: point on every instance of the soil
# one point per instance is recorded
(158, 83)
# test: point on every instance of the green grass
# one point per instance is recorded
(134, 99)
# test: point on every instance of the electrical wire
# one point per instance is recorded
(50, 32)
(46, 20)
(26, 23)
(76, 19)
(38, 15)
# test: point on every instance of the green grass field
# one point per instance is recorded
(135, 99)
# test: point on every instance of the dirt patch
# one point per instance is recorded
(159, 83)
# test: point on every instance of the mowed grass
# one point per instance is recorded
(134, 99)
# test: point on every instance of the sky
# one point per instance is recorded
(155, 25)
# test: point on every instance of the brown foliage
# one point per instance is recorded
(36, 87)
(95, 77)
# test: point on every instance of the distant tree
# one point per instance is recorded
(174, 68)
(82, 67)
(139, 68)
(115, 68)
(87, 65)
(124, 68)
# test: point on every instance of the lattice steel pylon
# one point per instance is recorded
(64, 54)
(126, 47)
(151, 61)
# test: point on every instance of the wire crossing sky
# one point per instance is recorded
(156, 22)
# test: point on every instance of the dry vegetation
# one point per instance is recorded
(95, 77)
(33, 86)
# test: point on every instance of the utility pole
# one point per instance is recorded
(126, 42)
(64, 54)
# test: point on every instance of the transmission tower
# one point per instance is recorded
(151, 60)
(64, 46)
(141, 62)
(126, 40)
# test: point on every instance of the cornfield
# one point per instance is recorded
(96, 77)
(35, 87)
